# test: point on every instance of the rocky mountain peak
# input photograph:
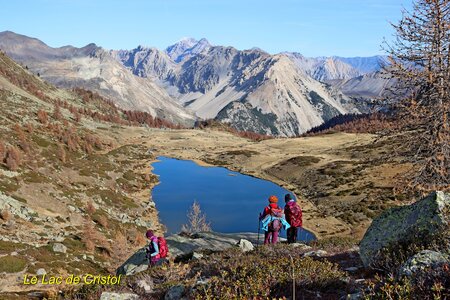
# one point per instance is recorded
(187, 47)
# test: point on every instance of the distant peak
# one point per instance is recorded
(203, 41)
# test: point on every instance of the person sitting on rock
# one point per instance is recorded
(272, 221)
(293, 214)
(153, 248)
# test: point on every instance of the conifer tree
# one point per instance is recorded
(420, 61)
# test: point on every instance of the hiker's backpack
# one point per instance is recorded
(163, 249)
(162, 245)
(275, 225)
(295, 215)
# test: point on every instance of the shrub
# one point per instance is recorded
(431, 284)
(266, 274)
(5, 215)
(197, 220)
(57, 115)
(13, 158)
(103, 221)
(2, 152)
(42, 116)
(62, 154)
(90, 208)
(89, 235)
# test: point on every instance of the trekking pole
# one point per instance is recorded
(293, 277)
(259, 225)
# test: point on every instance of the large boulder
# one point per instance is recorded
(407, 226)
(138, 262)
(183, 246)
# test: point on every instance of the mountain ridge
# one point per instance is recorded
(286, 93)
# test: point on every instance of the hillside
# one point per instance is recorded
(68, 178)
(93, 68)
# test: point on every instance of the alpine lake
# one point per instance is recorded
(230, 200)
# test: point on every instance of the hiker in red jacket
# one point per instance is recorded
(271, 235)
(293, 214)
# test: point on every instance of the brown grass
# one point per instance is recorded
(90, 208)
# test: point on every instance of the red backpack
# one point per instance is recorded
(295, 215)
(163, 249)
(162, 245)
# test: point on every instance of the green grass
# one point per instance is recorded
(8, 247)
(8, 185)
(12, 264)
(301, 161)
(34, 177)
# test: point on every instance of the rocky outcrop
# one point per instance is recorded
(175, 293)
(17, 208)
(183, 247)
(416, 224)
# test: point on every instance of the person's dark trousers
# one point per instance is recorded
(292, 234)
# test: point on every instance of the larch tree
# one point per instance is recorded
(420, 63)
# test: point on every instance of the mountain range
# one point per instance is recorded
(283, 94)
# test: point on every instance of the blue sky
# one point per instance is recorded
(311, 27)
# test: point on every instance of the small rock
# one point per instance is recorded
(355, 296)
(202, 281)
(118, 296)
(301, 246)
(175, 293)
(197, 255)
(246, 245)
(71, 208)
(318, 253)
(41, 271)
(57, 247)
(39, 295)
(351, 269)
(421, 261)
(14, 253)
(146, 285)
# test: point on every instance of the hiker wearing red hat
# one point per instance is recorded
(274, 212)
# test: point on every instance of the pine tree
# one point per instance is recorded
(420, 61)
